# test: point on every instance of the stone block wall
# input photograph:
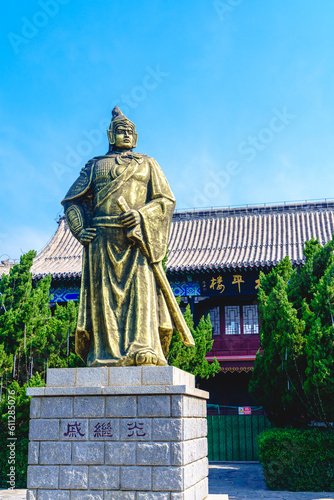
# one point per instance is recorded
(134, 433)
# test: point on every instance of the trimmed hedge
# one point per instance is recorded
(297, 460)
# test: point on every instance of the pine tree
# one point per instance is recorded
(192, 359)
(22, 406)
(31, 337)
(294, 377)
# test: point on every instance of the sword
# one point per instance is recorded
(163, 283)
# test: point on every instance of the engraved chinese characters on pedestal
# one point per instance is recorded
(120, 209)
(105, 429)
(74, 430)
(136, 429)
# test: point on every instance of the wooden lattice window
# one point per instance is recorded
(215, 320)
(250, 319)
(232, 320)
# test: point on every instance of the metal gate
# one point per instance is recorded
(233, 437)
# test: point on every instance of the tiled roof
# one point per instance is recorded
(61, 257)
(5, 266)
(255, 237)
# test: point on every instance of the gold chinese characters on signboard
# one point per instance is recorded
(230, 284)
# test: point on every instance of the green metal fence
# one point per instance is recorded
(233, 437)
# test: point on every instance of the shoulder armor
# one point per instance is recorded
(82, 184)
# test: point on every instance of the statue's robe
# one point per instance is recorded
(122, 312)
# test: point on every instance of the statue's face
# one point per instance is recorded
(123, 137)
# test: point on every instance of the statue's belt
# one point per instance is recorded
(107, 221)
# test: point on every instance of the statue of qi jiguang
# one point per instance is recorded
(120, 209)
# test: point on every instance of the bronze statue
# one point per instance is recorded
(120, 209)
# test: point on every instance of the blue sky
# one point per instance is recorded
(233, 98)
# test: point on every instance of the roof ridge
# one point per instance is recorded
(315, 206)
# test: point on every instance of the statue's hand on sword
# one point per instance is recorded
(130, 219)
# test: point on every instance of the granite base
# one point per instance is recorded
(130, 433)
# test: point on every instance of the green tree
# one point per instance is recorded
(31, 336)
(294, 376)
(192, 359)
(22, 405)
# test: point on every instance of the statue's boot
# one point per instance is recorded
(142, 357)
(146, 358)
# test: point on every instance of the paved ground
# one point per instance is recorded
(10, 495)
(241, 481)
(244, 481)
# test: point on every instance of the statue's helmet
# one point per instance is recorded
(119, 119)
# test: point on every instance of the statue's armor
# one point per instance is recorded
(97, 174)
(101, 173)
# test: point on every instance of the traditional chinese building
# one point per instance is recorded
(215, 257)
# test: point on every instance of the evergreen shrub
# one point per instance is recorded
(293, 377)
(20, 434)
(297, 459)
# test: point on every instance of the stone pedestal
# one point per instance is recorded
(132, 433)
